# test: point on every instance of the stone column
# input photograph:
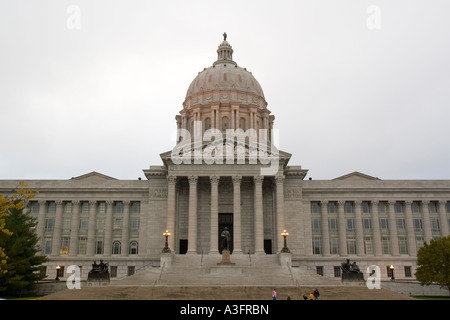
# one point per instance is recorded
(40, 229)
(259, 217)
(237, 227)
(443, 218)
(426, 221)
(359, 229)
(214, 234)
(376, 230)
(393, 236)
(279, 181)
(74, 225)
(91, 229)
(342, 229)
(108, 228)
(56, 243)
(171, 204)
(125, 229)
(411, 237)
(192, 220)
(325, 229)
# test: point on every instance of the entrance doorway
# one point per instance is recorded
(226, 220)
(268, 246)
(183, 246)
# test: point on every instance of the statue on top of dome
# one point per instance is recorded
(224, 36)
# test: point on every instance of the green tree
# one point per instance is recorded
(19, 245)
(433, 261)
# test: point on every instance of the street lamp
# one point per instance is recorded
(57, 271)
(392, 268)
(166, 247)
(285, 248)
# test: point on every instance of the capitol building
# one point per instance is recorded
(226, 172)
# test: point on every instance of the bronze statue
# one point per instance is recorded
(225, 235)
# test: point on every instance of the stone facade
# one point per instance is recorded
(359, 217)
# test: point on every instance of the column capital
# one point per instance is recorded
(59, 202)
(42, 202)
(408, 202)
(214, 179)
(109, 202)
(236, 179)
(279, 178)
(324, 203)
(443, 202)
(357, 202)
(92, 202)
(392, 202)
(171, 179)
(126, 202)
(341, 202)
(258, 179)
(425, 202)
(76, 202)
(375, 202)
(193, 179)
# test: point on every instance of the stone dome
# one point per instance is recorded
(225, 82)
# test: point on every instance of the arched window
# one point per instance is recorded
(133, 247)
(116, 247)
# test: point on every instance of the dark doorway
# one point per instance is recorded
(183, 246)
(268, 246)
(226, 220)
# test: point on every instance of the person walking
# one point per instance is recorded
(274, 294)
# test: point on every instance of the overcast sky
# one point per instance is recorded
(95, 85)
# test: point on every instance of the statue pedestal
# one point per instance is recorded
(353, 278)
(166, 259)
(285, 259)
(225, 259)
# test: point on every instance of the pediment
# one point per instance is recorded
(356, 176)
(208, 151)
(93, 176)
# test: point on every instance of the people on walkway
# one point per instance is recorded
(316, 294)
(274, 294)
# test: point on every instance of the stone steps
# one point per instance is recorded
(221, 293)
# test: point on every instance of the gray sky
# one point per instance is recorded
(96, 87)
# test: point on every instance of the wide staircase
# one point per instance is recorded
(197, 277)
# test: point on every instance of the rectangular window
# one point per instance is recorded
(101, 208)
(334, 245)
(85, 207)
(408, 273)
(348, 207)
(337, 271)
(99, 247)
(400, 224)
(67, 223)
(130, 270)
(117, 224)
(315, 223)
(385, 245)
(35, 207)
(367, 223)
(419, 242)
(331, 207)
(319, 270)
(351, 245)
(48, 245)
(51, 207)
(135, 207)
(134, 224)
(332, 224)
(417, 224)
(433, 206)
(113, 271)
(317, 248)
(384, 225)
(350, 225)
(82, 244)
(415, 206)
(382, 207)
(118, 207)
(64, 245)
(68, 207)
(447, 207)
(84, 224)
(389, 271)
(368, 246)
(315, 207)
(365, 207)
(398, 207)
(435, 225)
(49, 224)
(403, 245)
